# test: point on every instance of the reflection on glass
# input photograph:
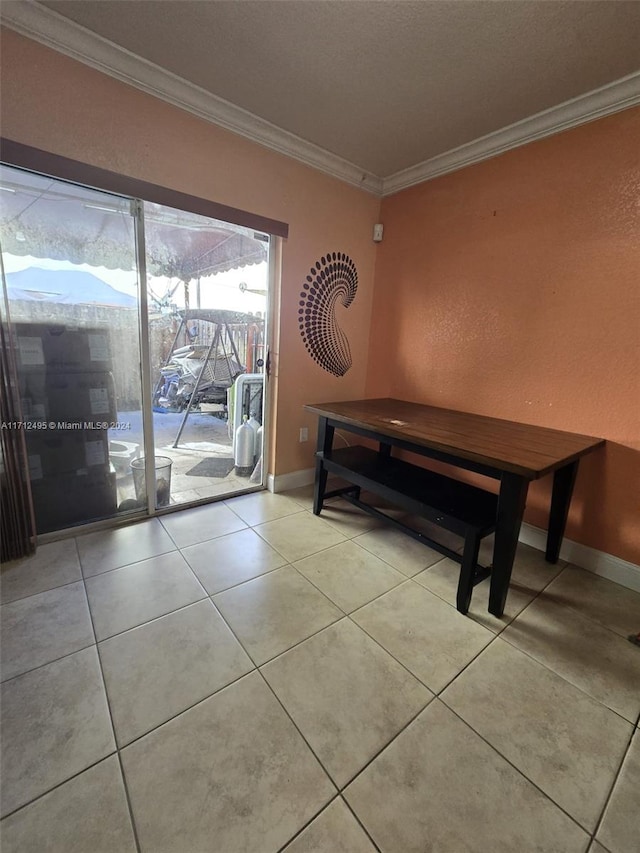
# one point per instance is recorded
(72, 288)
(71, 284)
(207, 296)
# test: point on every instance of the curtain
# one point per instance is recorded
(17, 523)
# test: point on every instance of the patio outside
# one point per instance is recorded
(202, 464)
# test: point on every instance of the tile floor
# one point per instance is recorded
(247, 677)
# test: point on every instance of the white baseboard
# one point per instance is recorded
(599, 562)
(293, 480)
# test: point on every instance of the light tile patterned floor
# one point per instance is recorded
(247, 677)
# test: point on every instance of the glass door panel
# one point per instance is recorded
(69, 259)
(104, 411)
(207, 304)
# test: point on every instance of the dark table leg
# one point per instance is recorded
(325, 442)
(513, 496)
(563, 481)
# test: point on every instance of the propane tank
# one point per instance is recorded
(245, 443)
(254, 423)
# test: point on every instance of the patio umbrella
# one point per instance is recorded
(46, 218)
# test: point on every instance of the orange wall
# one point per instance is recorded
(511, 288)
(508, 288)
(52, 102)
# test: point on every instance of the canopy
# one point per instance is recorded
(67, 286)
(46, 218)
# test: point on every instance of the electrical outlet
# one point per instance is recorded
(304, 434)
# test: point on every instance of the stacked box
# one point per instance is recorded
(50, 348)
(67, 393)
(69, 397)
(54, 452)
(73, 498)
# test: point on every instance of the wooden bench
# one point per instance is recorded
(460, 508)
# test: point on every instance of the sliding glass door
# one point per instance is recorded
(206, 300)
(69, 262)
(139, 333)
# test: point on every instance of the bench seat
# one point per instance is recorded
(462, 509)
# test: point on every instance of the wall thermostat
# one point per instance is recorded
(377, 233)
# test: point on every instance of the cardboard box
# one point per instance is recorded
(69, 397)
(42, 348)
(52, 453)
(73, 499)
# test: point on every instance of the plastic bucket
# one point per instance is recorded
(163, 480)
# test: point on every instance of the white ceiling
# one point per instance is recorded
(382, 84)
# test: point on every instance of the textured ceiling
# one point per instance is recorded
(383, 84)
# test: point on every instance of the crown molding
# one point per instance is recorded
(41, 24)
(51, 29)
(616, 96)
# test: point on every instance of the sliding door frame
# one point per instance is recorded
(18, 155)
(36, 160)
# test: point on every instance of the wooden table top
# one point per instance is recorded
(524, 449)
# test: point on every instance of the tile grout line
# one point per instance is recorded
(127, 565)
(387, 745)
(549, 669)
(308, 823)
(150, 621)
(340, 789)
(559, 675)
(125, 786)
(317, 758)
(58, 785)
(184, 710)
(153, 618)
(300, 642)
(517, 769)
(270, 688)
(338, 797)
(583, 615)
(541, 663)
(209, 598)
(47, 663)
(256, 523)
(227, 623)
(261, 675)
(190, 544)
(206, 597)
(239, 641)
(41, 591)
(256, 667)
(435, 693)
(612, 788)
(240, 583)
(347, 613)
(284, 557)
(494, 637)
(369, 835)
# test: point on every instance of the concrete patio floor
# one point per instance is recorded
(205, 437)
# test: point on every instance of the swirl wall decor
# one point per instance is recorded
(333, 278)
